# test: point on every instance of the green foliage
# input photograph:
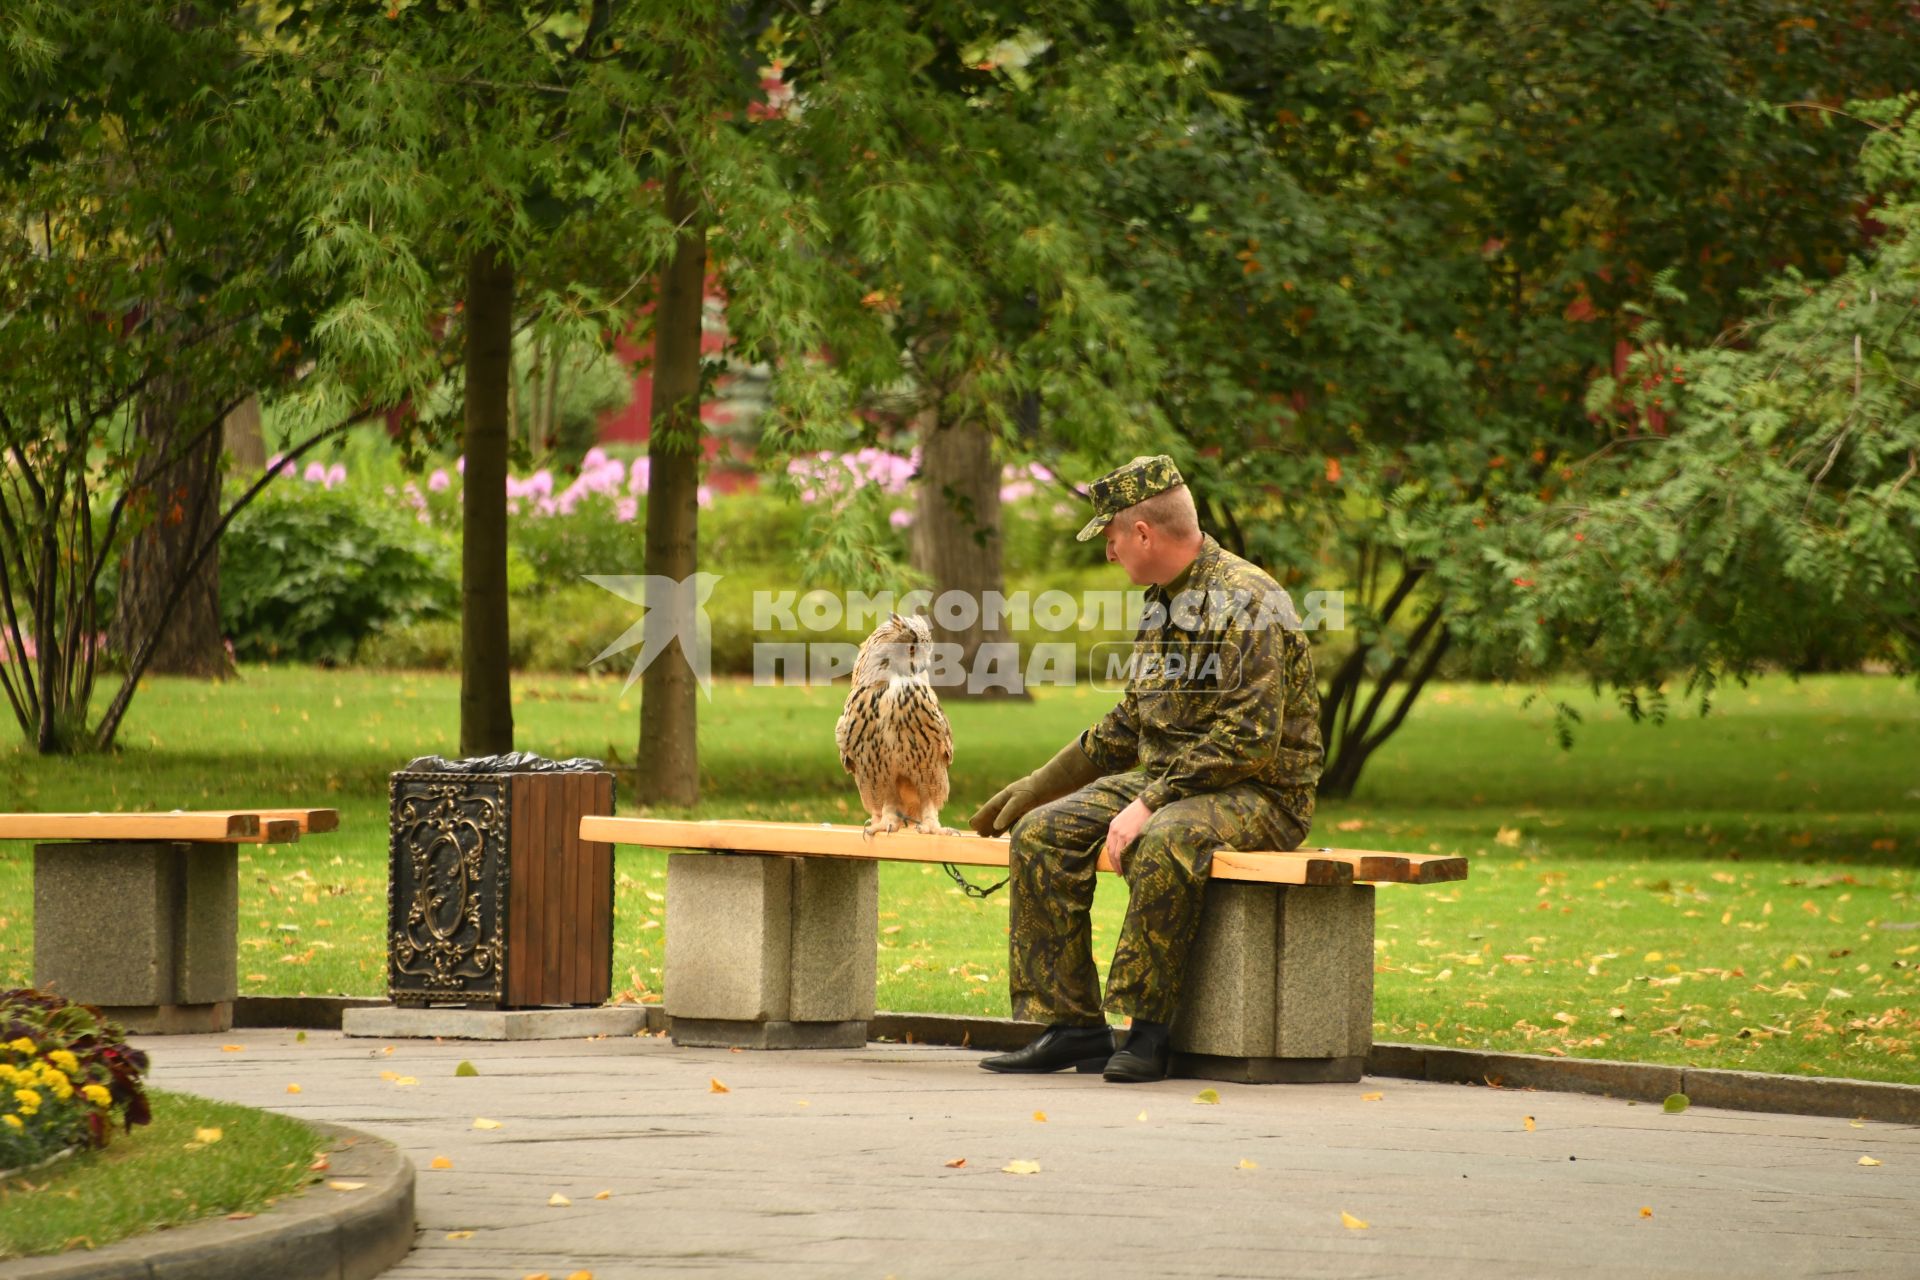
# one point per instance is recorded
(67, 1076)
(1385, 267)
(310, 572)
(145, 250)
(1771, 519)
(562, 387)
(590, 539)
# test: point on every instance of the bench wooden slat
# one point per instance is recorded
(307, 821)
(1376, 867)
(201, 826)
(313, 822)
(235, 827)
(830, 841)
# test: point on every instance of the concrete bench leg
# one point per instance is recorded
(144, 930)
(1279, 987)
(770, 952)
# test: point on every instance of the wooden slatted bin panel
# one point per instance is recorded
(494, 901)
(560, 902)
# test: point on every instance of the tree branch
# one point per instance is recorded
(139, 660)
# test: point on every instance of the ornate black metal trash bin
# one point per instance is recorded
(493, 899)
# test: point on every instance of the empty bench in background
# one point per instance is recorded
(138, 912)
(773, 946)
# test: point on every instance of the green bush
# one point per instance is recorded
(306, 572)
(753, 528)
(558, 550)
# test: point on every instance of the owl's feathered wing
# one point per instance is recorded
(858, 723)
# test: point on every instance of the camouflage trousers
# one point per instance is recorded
(1055, 848)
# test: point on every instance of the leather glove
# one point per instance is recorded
(1066, 773)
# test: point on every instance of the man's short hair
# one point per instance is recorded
(1171, 513)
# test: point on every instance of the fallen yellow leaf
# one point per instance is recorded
(1869, 1161)
(1207, 1097)
(1021, 1166)
(1040, 1116)
(579, 1275)
(1248, 1164)
(441, 1162)
(337, 1185)
(486, 1124)
(320, 1164)
(459, 1235)
(603, 1195)
(802, 1102)
(1142, 1117)
(206, 1135)
(1372, 1097)
(714, 1086)
(389, 1075)
(1352, 1223)
(961, 1163)
(1646, 1211)
(1528, 1121)
(1857, 1124)
(404, 1081)
(388, 1051)
(558, 1201)
(233, 1048)
(293, 1088)
(536, 1275)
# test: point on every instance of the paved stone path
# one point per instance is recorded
(834, 1164)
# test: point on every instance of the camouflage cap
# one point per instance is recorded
(1123, 486)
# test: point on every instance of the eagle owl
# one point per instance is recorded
(893, 737)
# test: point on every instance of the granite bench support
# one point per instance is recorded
(137, 913)
(770, 952)
(773, 945)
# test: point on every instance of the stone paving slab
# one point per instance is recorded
(832, 1163)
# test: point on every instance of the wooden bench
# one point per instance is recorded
(139, 912)
(774, 945)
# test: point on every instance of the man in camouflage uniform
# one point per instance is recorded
(1215, 744)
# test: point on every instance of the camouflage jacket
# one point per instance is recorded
(1220, 690)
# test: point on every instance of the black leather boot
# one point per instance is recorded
(1056, 1049)
(1145, 1055)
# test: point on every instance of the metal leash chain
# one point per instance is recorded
(969, 888)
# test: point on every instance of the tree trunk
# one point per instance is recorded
(668, 764)
(956, 540)
(245, 444)
(182, 506)
(486, 683)
(1347, 725)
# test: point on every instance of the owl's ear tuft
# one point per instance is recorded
(896, 618)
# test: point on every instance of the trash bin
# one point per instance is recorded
(493, 899)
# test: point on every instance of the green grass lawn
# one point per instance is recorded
(161, 1174)
(1731, 891)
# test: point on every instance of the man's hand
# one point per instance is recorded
(1121, 833)
(1067, 772)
